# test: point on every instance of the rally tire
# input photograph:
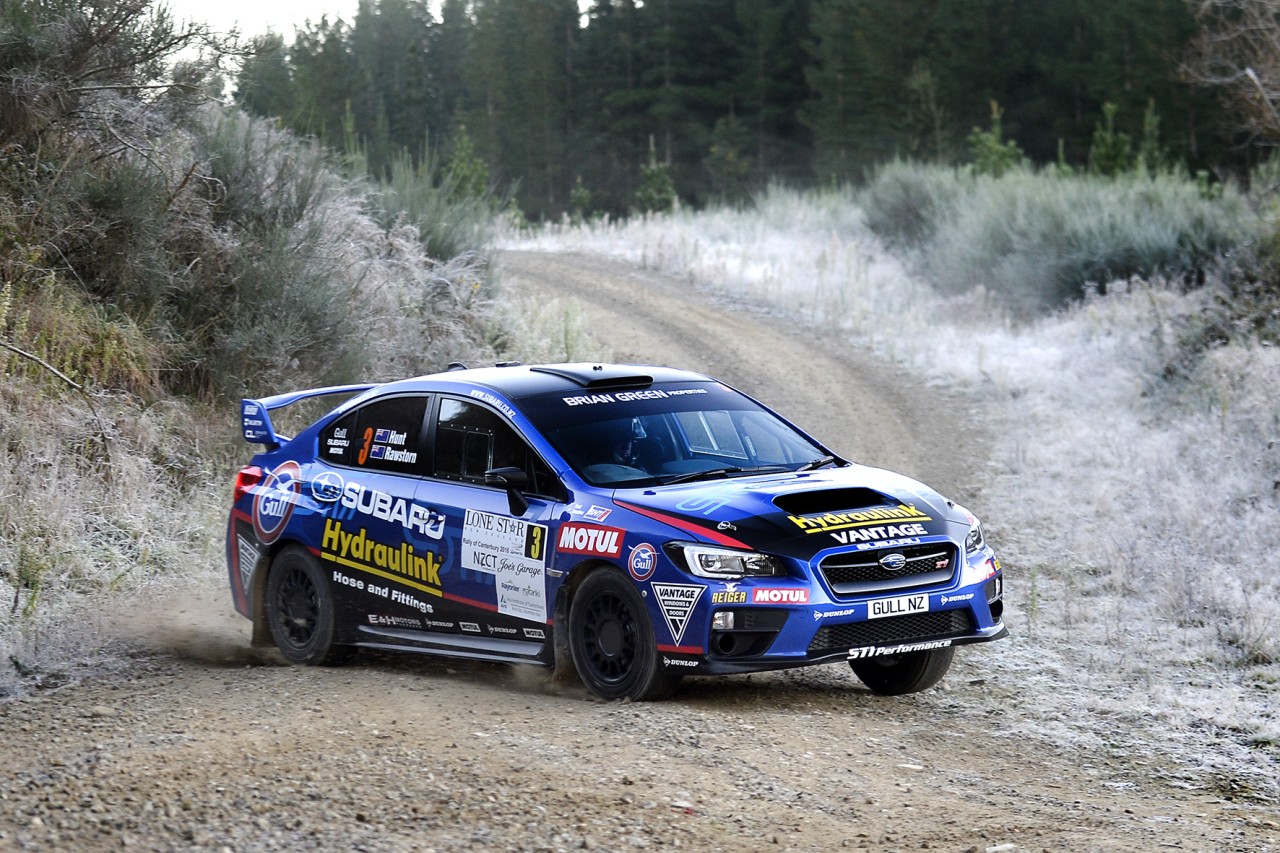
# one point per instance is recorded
(612, 642)
(911, 672)
(300, 611)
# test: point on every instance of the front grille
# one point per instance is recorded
(895, 629)
(860, 572)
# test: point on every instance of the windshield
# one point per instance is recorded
(668, 433)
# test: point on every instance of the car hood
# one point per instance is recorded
(799, 515)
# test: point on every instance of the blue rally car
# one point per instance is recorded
(640, 524)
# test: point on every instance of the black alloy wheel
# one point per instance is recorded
(612, 641)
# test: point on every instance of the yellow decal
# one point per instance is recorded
(397, 563)
(862, 518)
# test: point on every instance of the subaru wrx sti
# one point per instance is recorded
(639, 524)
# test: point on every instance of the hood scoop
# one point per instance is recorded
(830, 500)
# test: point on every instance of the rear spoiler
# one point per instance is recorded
(256, 422)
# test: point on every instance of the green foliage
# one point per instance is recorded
(1039, 240)
(926, 120)
(579, 201)
(466, 175)
(727, 163)
(1152, 155)
(1109, 155)
(657, 192)
(989, 153)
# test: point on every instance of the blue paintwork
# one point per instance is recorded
(420, 562)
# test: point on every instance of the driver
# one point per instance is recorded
(624, 436)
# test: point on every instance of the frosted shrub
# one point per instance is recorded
(1039, 240)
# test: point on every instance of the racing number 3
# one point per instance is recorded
(364, 449)
(533, 542)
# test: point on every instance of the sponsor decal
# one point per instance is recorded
(827, 614)
(498, 629)
(390, 593)
(251, 420)
(887, 543)
(275, 500)
(469, 627)
(522, 597)
(642, 562)
(395, 621)
(878, 608)
(947, 599)
(336, 444)
(590, 539)
(881, 651)
(495, 402)
(597, 513)
(677, 601)
(773, 595)
(401, 563)
(830, 522)
(438, 625)
(729, 595)
(327, 487)
(380, 505)
(629, 396)
(726, 525)
(497, 543)
(901, 531)
(248, 558)
(534, 634)
(514, 551)
(977, 572)
(666, 661)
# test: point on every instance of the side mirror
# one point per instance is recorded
(514, 480)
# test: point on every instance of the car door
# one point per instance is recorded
(495, 565)
(380, 548)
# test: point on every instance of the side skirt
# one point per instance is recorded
(471, 648)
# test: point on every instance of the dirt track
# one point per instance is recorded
(205, 744)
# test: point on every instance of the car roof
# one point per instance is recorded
(517, 380)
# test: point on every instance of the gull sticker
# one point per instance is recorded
(677, 601)
(274, 502)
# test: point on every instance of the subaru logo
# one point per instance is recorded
(327, 486)
(893, 562)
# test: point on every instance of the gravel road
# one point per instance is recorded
(200, 742)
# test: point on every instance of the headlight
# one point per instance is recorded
(974, 540)
(725, 563)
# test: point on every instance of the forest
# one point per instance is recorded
(630, 105)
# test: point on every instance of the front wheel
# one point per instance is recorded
(612, 641)
(910, 672)
(300, 611)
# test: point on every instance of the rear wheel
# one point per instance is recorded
(300, 611)
(911, 672)
(612, 641)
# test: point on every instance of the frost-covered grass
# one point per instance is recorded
(1138, 520)
(1038, 238)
